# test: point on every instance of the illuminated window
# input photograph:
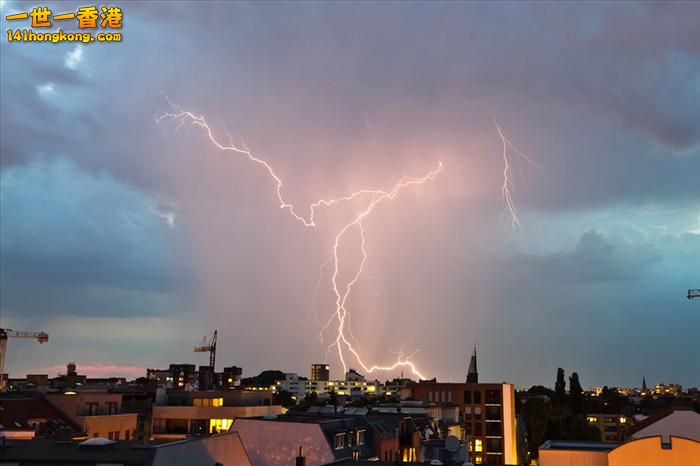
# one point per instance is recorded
(592, 419)
(623, 420)
(217, 402)
(219, 425)
(339, 441)
(478, 460)
(478, 445)
(409, 455)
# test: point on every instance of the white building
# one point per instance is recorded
(355, 386)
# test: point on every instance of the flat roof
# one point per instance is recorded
(46, 450)
(577, 445)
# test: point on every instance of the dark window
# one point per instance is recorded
(467, 396)
(361, 436)
(494, 459)
(494, 445)
(92, 408)
(493, 413)
(477, 429)
(126, 434)
(339, 441)
(111, 407)
(493, 396)
(493, 428)
(477, 397)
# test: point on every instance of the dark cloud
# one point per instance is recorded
(595, 259)
(67, 232)
(338, 97)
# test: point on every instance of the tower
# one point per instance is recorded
(644, 385)
(472, 373)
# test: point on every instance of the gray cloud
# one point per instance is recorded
(68, 232)
(595, 259)
(605, 97)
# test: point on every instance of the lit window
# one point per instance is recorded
(592, 419)
(478, 460)
(217, 402)
(219, 425)
(360, 437)
(478, 445)
(623, 420)
(339, 441)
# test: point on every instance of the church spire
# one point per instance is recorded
(644, 384)
(472, 373)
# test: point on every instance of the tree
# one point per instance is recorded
(333, 398)
(263, 379)
(575, 393)
(284, 398)
(560, 386)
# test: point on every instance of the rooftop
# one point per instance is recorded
(131, 453)
(577, 445)
(21, 413)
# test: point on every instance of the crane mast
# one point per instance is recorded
(5, 334)
(694, 294)
(209, 345)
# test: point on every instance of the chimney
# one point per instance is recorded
(301, 461)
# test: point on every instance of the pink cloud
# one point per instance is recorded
(94, 370)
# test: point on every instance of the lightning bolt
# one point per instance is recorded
(341, 290)
(506, 193)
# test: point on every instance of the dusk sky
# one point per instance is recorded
(128, 241)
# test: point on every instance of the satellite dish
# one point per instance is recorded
(452, 443)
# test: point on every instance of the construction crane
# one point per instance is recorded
(693, 294)
(208, 344)
(5, 334)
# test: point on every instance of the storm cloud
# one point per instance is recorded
(109, 219)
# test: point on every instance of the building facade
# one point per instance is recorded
(320, 372)
(358, 387)
(612, 427)
(485, 416)
(99, 413)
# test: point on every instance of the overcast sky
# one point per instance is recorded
(128, 241)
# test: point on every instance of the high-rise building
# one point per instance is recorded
(320, 372)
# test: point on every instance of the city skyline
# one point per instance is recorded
(127, 241)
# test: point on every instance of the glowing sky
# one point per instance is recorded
(128, 241)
